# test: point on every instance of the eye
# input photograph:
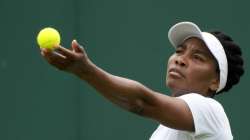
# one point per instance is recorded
(178, 50)
(198, 57)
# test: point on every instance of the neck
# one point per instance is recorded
(177, 93)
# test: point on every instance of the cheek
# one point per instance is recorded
(200, 74)
(169, 63)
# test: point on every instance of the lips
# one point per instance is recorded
(176, 73)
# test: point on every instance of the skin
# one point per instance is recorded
(196, 69)
(194, 75)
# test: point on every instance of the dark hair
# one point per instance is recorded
(234, 58)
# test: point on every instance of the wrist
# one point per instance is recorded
(86, 71)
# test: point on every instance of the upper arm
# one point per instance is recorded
(169, 111)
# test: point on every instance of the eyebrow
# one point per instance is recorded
(181, 46)
(197, 50)
(201, 52)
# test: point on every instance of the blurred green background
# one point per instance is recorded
(124, 37)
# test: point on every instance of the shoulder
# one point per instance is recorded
(197, 99)
(208, 115)
(205, 106)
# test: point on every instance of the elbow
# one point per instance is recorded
(137, 107)
(143, 103)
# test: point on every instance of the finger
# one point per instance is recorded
(76, 47)
(65, 52)
(56, 59)
(44, 52)
(60, 56)
(53, 57)
(51, 53)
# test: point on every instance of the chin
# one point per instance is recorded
(171, 84)
(174, 85)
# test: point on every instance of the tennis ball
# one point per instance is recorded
(48, 38)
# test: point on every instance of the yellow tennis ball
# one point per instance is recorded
(48, 38)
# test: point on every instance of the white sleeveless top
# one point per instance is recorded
(210, 120)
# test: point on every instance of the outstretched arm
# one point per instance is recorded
(128, 94)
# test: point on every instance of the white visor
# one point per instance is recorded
(181, 31)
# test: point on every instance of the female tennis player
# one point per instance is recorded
(204, 64)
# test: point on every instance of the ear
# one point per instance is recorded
(214, 84)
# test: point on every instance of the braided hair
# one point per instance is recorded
(234, 58)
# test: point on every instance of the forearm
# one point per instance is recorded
(128, 94)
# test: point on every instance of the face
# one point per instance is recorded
(192, 68)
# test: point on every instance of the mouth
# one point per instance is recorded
(175, 73)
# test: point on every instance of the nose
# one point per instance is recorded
(181, 61)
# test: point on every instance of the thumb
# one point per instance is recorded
(76, 47)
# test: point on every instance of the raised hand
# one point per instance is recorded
(74, 60)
